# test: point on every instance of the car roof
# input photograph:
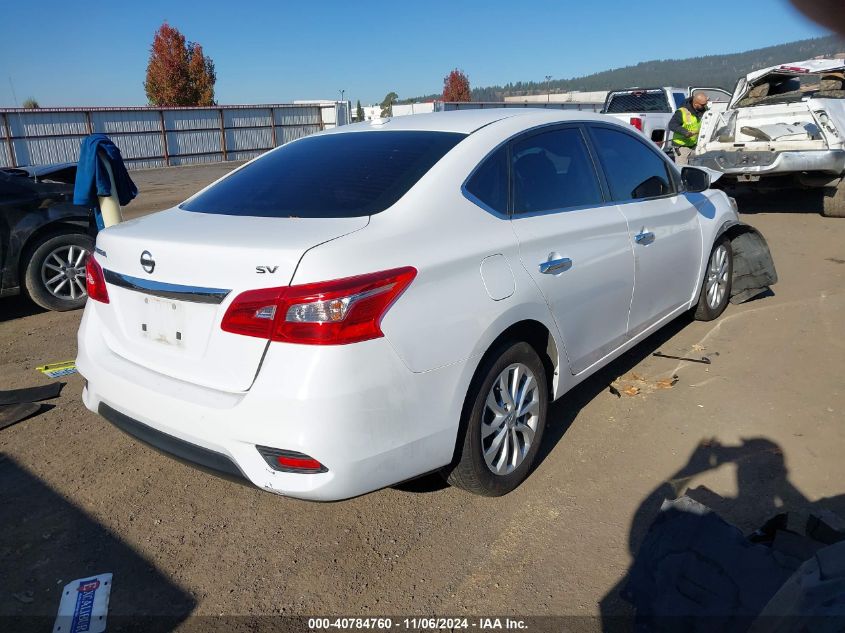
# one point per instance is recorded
(468, 121)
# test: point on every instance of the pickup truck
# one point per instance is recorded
(784, 127)
(650, 109)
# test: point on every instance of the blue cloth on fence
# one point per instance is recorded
(92, 179)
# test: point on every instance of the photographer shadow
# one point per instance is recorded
(764, 490)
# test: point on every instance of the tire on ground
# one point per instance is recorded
(470, 471)
(703, 311)
(833, 201)
(34, 260)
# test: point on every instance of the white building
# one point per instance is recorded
(561, 97)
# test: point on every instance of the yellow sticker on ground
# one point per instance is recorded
(57, 370)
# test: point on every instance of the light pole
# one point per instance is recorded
(342, 92)
(548, 79)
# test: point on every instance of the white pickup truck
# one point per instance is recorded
(650, 109)
(784, 127)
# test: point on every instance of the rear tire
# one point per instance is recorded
(716, 286)
(54, 270)
(833, 201)
(503, 421)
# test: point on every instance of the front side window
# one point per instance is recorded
(489, 183)
(634, 171)
(342, 175)
(553, 170)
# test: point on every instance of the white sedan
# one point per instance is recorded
(397, 297)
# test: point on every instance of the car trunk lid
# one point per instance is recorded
(172, 275)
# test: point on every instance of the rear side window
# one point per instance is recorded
(553, 170)
(641, 101)
(341, 175)
(680, 97)
(490, 181)
(634, 171)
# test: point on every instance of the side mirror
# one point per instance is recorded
(695, 180)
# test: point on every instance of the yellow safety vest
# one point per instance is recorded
(692, 124)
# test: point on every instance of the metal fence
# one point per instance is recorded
(160, 137)
(445, 106)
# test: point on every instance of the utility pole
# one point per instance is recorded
(548, 79)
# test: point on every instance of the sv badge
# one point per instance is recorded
(266, 269)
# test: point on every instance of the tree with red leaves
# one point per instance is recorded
(456, 87)
(178, 73)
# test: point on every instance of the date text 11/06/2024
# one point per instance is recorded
(417, 624)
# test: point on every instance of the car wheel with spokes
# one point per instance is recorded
(716, 288)
(54, 273)
(504, 418)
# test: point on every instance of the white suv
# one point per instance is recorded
(388, 299)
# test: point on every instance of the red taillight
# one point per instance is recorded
(334, 312)
(95, 282)
(637, 122)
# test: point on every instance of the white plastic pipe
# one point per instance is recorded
(110, 205)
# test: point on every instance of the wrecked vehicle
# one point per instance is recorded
(783, 128)
(44, 238)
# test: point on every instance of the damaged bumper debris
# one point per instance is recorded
(753, 267)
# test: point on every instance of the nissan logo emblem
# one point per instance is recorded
(147, 262)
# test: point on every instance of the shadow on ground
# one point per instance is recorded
(47, 542)
(562, 413)
(786, 201)
(17, 307)
(764, 490)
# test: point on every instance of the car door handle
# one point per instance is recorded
(644, 238)
(554, 266)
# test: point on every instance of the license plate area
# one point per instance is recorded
(163, 321)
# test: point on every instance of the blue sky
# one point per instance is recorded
(95, 53)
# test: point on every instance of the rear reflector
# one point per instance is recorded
(290, 461)
(334, 312)
(95, 282)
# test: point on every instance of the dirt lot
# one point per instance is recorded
(762, 428)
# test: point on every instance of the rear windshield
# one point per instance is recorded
(654, 101)
(340, 175)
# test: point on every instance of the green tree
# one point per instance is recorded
(387, 104)
(31, 104)
(359, 111)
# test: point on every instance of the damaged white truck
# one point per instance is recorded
(784, 127)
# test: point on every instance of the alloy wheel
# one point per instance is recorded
(63, 272)
(717, 277)
(510, 419)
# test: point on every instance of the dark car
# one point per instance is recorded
(44, 238)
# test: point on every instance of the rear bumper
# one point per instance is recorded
(355, 408)
(772, 163)
(170, 445)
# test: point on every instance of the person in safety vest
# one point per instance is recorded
(685, 125)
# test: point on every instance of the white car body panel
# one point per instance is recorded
(385, 410)
(665, 265)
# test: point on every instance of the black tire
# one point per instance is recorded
(708, 310)
(35, 267)
(833, 201)
(470, 471)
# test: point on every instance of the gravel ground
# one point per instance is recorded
(759, 430)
